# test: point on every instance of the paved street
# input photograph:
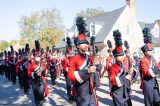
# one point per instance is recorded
(12, 95)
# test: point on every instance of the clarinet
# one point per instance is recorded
(92, 76)
(93, 49)
(129, 65)
(129, 69)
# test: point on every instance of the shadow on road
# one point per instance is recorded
(137, 99)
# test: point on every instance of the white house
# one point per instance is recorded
(155, 30)
(103, 26)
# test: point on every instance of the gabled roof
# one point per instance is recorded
(142, 25)
(62, 44)
(107, 20)
(148, 25)
(156, 40)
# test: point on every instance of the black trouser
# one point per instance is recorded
(68, 86)
(1, 69)
(121, 96)
(13, 74)
(5, 70)
(128, 86)
(20, 79)
(25, 81)
(38, 89)
(151, 92)
(156, 104)
(85, 99)
(8, 73)
(53, 75)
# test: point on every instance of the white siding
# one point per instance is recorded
(155, 30)
(70, 34)
(97, 28)
(130, 29)
(156, 54)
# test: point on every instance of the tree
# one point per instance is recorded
(4, 45)
(91, 12)
(44, 26)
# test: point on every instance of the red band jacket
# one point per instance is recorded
(116, 75)
(149, 68)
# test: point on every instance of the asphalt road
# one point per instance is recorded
(12, 95)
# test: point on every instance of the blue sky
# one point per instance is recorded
(12, 10)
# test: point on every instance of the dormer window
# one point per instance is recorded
(93, 29)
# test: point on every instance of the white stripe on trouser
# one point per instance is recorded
(32, 75)
(102, 70)
(118, 81)
(78, 77)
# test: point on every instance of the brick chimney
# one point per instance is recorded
(132, 5)
(158, 22)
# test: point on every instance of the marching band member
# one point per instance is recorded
(37, 71)
(53, 65)
(110, 59)
(150, 70)
(12, 67)
(81, 68)
(118, 77)
(127, 62)
(22, 70)
(65, 65)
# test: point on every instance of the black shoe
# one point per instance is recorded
(37, 103)
(53, 83)
(41, 102)
(26, 92)
(44, 100)
(70, 100)
(73, 98)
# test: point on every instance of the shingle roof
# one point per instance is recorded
(62, 44)
(107, 20)
(148, 25)
(142, 25)
(156, 40)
